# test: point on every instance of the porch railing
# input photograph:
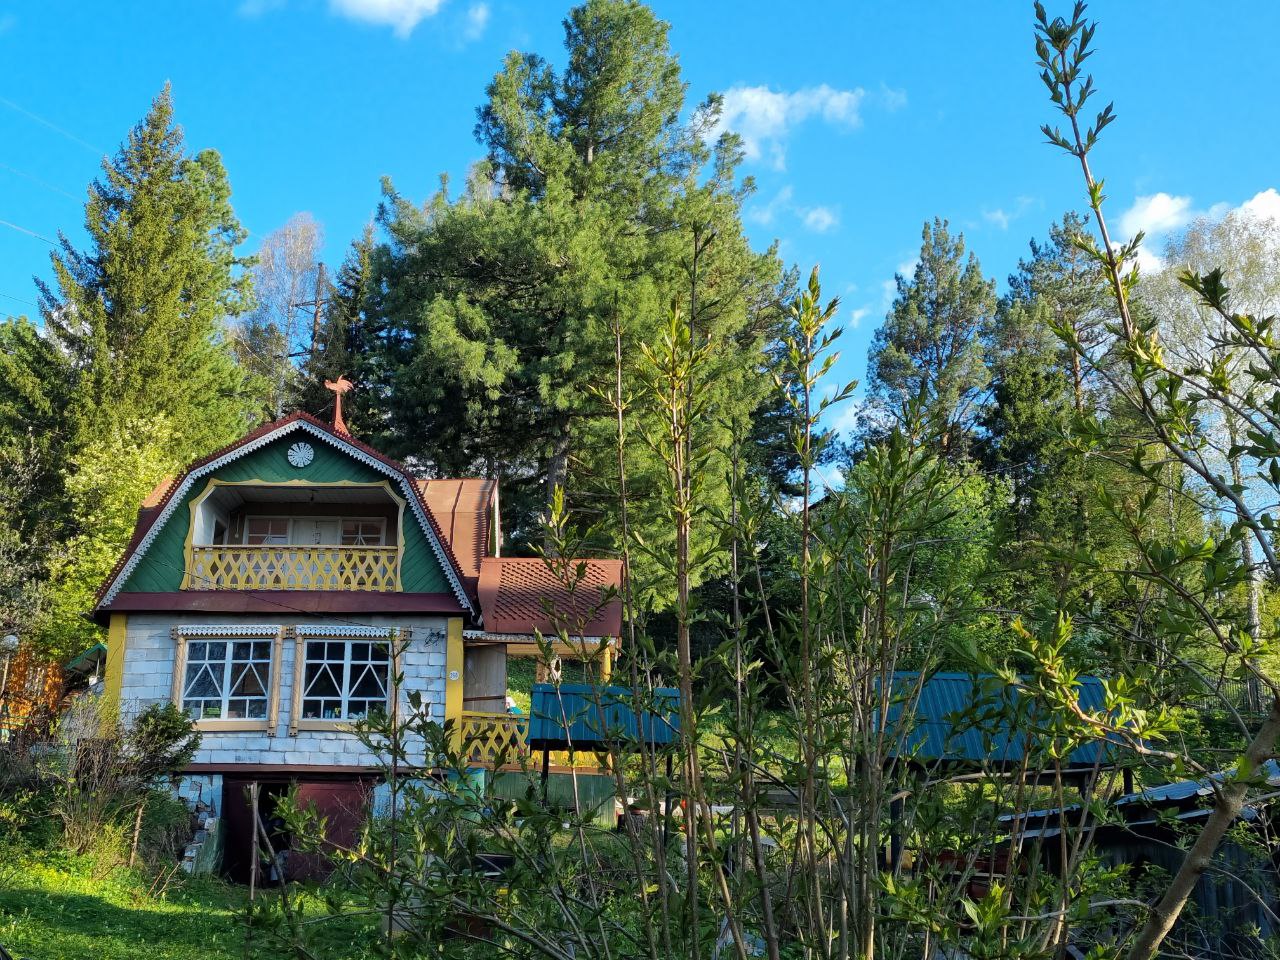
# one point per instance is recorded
(293, 568)
(490, 738)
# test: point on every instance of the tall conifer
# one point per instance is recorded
(140, 316)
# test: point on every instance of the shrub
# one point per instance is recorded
(103, 772)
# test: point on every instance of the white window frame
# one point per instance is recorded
(263, 516)
(382, 529)
(289, 520)
(392, 638)
(229, 634)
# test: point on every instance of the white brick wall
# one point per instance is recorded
(148, 678)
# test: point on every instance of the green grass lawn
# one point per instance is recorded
(53, 908)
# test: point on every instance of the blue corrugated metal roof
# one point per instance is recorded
(965, 717)
(592, 716)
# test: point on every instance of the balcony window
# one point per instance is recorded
(344, 679)
(227, 679)
(267, 531)
(363, 533)
(315, 531)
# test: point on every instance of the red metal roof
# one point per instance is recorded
(466, 511)
(515, 593)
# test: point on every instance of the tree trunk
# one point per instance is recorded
(1253, 693)
(1226, 809)
(557, 465)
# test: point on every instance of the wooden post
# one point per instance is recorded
(137, 832)
(253, 851)
(453, 684)
(546, 772)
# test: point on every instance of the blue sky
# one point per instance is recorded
(861, 119)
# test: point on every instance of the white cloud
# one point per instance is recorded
(844, 419)
(1159, 214)
(820, 219)
(400, 15)
(766, 214)
(477, 20)
(892, 98)
(998, 217)
(856, 316)
(1156, 213)
(764, 118)
(1264, 205)
(1002, 217)
(889, 288)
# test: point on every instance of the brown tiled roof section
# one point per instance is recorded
(148, 514)
(463, 508)
(158, 493)
(515, 593)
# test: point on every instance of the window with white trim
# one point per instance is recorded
(227, 679)
(344, 679)
(263, 531)
(363, 532)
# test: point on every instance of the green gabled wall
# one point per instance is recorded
(161, 569)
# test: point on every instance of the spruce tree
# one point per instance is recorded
(140, 317)
(142, 312)
(342, 348)
(33, 452)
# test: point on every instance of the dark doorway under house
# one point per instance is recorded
(342, 802)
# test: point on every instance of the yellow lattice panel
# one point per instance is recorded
(292, 568)
(488, 736)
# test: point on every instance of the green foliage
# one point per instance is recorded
(57, 907)
(110, 474)
(494, 311)
(135, 323)
(140, 313)
(930, 346)
(161, 740)
(33, 451)
(345, 341)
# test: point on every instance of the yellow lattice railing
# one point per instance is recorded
(293, 568)
(486, 737)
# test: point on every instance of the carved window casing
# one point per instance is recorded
(228, 677)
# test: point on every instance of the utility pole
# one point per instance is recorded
(320, 300)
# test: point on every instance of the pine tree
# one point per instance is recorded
(494, 309)
(140, 317)
(931, 344)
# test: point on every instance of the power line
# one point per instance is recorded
(36, 180)
(29, 303)
(30, 233)
(52, 126)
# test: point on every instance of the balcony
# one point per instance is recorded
(274, 567)
(252, 535)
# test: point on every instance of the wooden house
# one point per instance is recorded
(268, 588)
